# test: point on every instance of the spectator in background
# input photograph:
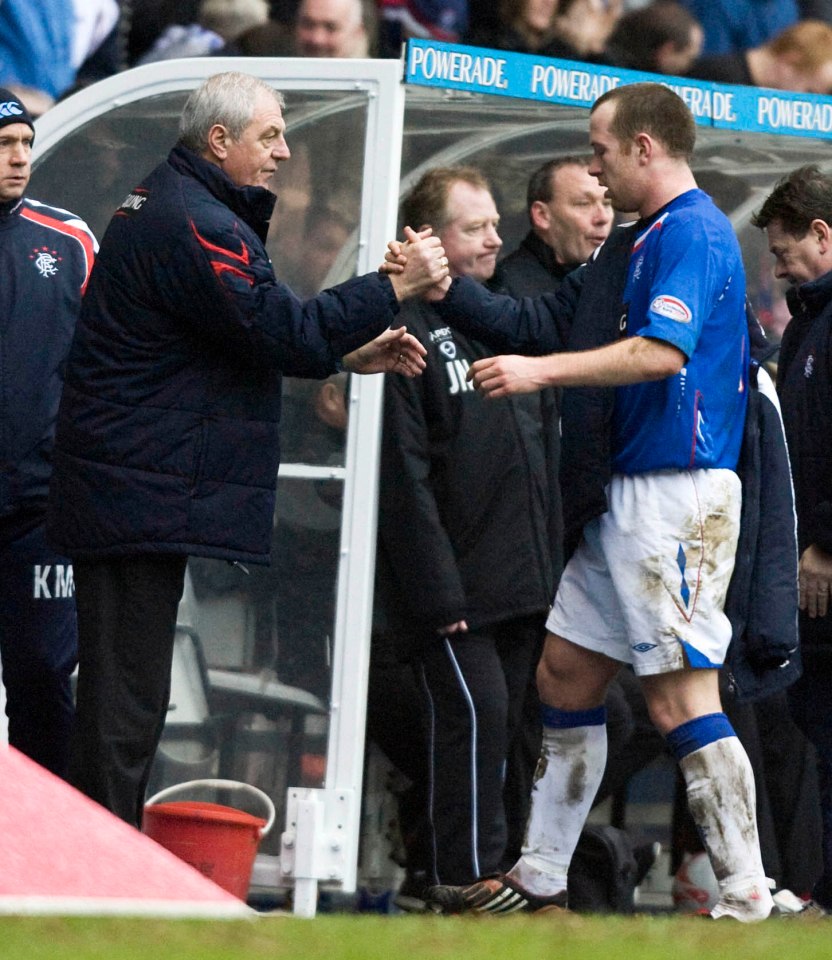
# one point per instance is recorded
(445, 20)
(524, 26)
(571, 29)
(663, 37)
(44, 44)
(270, 39)
(586, 24)
(798, 59)
(734, 25)
(217, 26)
(336, 28)
(230, 18)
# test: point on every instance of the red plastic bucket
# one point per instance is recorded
(221, 842)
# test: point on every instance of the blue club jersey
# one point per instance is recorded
(686, 286)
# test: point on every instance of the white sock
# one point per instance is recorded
(572, 761)
(722, 802)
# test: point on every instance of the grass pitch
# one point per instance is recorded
(363, 937)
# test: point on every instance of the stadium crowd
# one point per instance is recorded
(50, 48)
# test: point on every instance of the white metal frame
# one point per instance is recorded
(321, 839)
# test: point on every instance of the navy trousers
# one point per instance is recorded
(38, 641)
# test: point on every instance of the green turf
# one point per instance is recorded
(361, 937)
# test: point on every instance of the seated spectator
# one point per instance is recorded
(662, 37)
(586, 25)
(336, 28)
(798, 59)
(231, 18)
(43, 45)
(572, 29)
(218, 24)
(148, 20)
(270, 39)
(734, 25)
(444, 20)
(524, 26)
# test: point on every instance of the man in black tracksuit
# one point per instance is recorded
(459, 476)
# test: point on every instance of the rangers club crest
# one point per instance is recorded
(46, 261)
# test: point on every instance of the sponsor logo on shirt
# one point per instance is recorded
(671, 307)
(809, 368)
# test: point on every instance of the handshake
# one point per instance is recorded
(417, 266)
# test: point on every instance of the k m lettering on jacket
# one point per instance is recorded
(52, 582)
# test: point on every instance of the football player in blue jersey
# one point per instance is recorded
(652, 337)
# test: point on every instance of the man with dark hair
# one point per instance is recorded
(46, 255)
(569, 218)
(662, 37)
(457, 476)
(659, 344)
(797, 219)
(167, 438)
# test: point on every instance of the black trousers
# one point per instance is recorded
(475, 688)
(127, 610)
(462, 721)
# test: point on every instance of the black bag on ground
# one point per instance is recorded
(602, 875)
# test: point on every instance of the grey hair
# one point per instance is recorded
(226, 98)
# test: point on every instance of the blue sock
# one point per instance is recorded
(564, 719)
(698, 733)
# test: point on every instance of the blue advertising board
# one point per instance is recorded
(525, 76)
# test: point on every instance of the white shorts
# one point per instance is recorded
(648, 581)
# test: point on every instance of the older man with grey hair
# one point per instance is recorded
(168, 427)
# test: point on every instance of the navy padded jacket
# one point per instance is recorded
(167, 432)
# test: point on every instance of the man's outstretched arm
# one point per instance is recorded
(634, 360)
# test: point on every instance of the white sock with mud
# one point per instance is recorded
(572, 760)
(722, 801)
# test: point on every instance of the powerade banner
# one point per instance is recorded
(521, 75)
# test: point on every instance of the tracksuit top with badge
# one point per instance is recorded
(685, 286)
(46, 255)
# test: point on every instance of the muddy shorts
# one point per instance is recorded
(648, 581)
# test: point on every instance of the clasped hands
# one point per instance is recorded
(493, 376)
